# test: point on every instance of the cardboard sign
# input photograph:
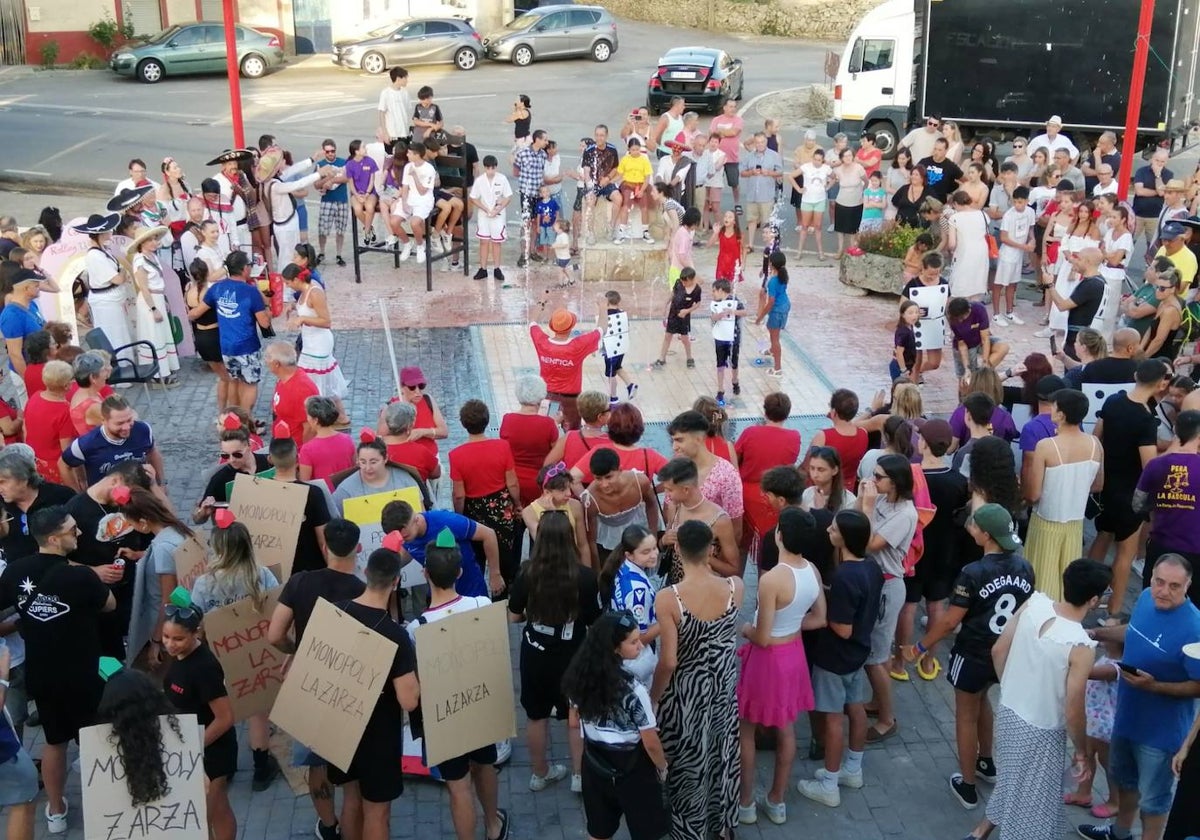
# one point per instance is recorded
(267, 473)
(191, 560)
(253, 666)
(466, 682)
(109, 812)
(365, 512)
(273, 511)
(337, 674)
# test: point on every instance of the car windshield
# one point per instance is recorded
(163, 36)
(381, 31)
(524, 21)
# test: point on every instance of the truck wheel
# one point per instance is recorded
(887, 138)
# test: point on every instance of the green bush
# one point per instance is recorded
(893, 240)
(49, 54)
(107, 32)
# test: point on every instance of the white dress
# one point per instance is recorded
(158, 333)
(969, 273)
(107, 300)
(316, 355)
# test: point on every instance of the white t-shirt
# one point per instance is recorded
(1100, 189)
(723, 328)
(101, 268)
(424, 174)
(562, 246)
(815, 178)
(1061, 141)
(461, 604)
(553, 170)
(397, 109)
(1017, 224)
(488, 193)
(666, 171)
(1038, 196)
(711, 169)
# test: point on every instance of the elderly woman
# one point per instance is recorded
(374, 475)
(530, 433)
(107, 280)
(92, 370)
(398, 418)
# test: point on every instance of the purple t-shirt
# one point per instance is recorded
(1037, 429)
(1003, 425)
(1168, 480)
(967, 331)
(362, 173)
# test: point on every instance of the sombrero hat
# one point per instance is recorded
(229, 155)
(268, 164)
(143, 235)
(97, 223)
(128, 197)
(1192, 222)
(676, 146)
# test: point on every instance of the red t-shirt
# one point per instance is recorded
(328, 455)
(73, 389)
(642, 459)
(869, 159)
(562, 362)
(851, 449)
(9, 413)
(414, 455)
(288, 402)
(47, 424)
(759, 448)
(531, 437)
(719, 446)
(577, 446)
(33, 378)
(481, 466)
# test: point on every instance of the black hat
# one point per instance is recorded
(99, 224)
(127, 198)
(24, 275)
(1192, 222)
(1049, 385)
(228, 155)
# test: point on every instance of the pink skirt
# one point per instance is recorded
(773, 686)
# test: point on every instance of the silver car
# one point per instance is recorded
(422, 41)
(554, 32)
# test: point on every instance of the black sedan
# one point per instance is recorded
(705, 78)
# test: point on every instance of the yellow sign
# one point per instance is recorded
(366, 511)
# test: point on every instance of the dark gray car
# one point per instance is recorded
(555, 32)
(420, 41)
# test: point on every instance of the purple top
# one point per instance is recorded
(968, 330)
(1037, 429)
(905, 337)
(362, 174)
(1167, 480)
(1002, 424)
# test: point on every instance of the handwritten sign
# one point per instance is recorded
(335, 679)
(366, 511)
(108, 809)
(191, 560)
(466, 682)
(253, 666)
(273, 512)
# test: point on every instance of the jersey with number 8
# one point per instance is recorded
(991, 590)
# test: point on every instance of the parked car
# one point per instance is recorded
(554, 32)
(418, 41)
(197, 48)
(704, 77)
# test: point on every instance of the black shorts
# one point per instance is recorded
(376, 767)
(442, 195)
(732, 173)
(453, 769)
(541, 682)
(612, 364)
(677, 325)
(66, 710)
(1118, 517)
(727, 351)
(636, 795)
(220, 757)
(933, 577)
(847, 219)
(208, 345)
(970, 675)
(578, 206)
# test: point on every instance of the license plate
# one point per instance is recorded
(682, 75)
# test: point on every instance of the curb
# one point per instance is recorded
(34, 185)
(755, 100)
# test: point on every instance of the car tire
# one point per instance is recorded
(602, 51)
(522, 55)
(254, 66)
(150, 71)
(887, 138)
(466, 59)
(374, 63)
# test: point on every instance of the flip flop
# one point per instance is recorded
(1077, 801)
(929, 676)
(899, 676)
(874, 736)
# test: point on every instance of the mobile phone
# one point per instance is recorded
(548, 408)
(1128, 669)
(1053, 345)
(220, 505)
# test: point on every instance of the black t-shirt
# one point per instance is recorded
(853, 598)
(820, 552)
(308, 549)
(991, 590)
(1109, 371)
(1088, 296)
(561, 637)
(942, 177)
(103, 530)
(302, 590)
(1127, 425)
(192, 683)
(948, 492)
(384, 724)
(59, 605)
(906, 338)
(450, 178)
(19, 543)
(226, 473)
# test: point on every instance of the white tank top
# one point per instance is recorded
(787, 619)
(1034, 684)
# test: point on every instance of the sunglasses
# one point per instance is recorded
(229, 456)
(330, 151)
(1164, 288)
(626, 621)
(933, 123)
(420, 387)
(1018, 145)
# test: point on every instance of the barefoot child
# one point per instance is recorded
(562, 250)
(685, 297)
(614, 344)
(725, 309)
(490, 195)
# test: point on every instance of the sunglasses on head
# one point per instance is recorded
(626, 621)
(187, 616)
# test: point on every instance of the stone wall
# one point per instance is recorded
(812, 21)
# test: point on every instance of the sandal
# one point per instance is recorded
(931, 675)
(899, 676)
(1078, 801)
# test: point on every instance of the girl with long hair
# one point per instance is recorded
(555, 484)
(625, 764)
(993, 476)
(774, 307)
(827, 489)
(556, 597)
(904, 342)
(625, 584)
(155, 578)
(716, 440)
(313, 321)
(731, 248)
(133, 706)
(205, 328)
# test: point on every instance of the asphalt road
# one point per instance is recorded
(79, 128)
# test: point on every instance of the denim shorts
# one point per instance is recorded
(1144, 769)
(18, 780)
(777, 318)
(832, 692)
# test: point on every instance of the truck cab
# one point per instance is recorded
(874, 83)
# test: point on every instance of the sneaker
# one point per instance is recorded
(1044, 333)
(576, 783)
(721, 399)
(999, 321)
(57, 823)
(775, 372)
(327, 832)
(497, 274)
(691, 363)
(503, 752)
(631, 390)
(265, 773)
(815, 790)
(829, 229)
(1014, 318)
(447, 242)
(737, 210)
(737, 389)
(619, 236)
(320, 258)
(536, 257)
(481, 274)
(846, 779)
(435, 246)
(776, 811)
(420, 256)
(747, 814)
(647, 238)
(406, 250)
(557, 772)
(1098, 832)
(503, 814)
(391, 241)
(340, 261)
(966, 794)
(985, 769)
(612, 402)
(660, 363)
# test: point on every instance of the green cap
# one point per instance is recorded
(108, 667)
(180, 597)
(445, 539)
(997, 523)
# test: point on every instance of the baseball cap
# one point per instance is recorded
(24, 275)
(937, 432)
(996, 522)
(1054, 120)
(411, 376)
(1048, 385)
(1171, 230)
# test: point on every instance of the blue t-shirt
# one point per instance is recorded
(633, 591)
(338, 193)
(1154, 643)
(97, 453)
(778, 291)
(471, 582)
(236, 302)
(18, 322)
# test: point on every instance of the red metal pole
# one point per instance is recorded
(1137, 80)
(235, 88)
